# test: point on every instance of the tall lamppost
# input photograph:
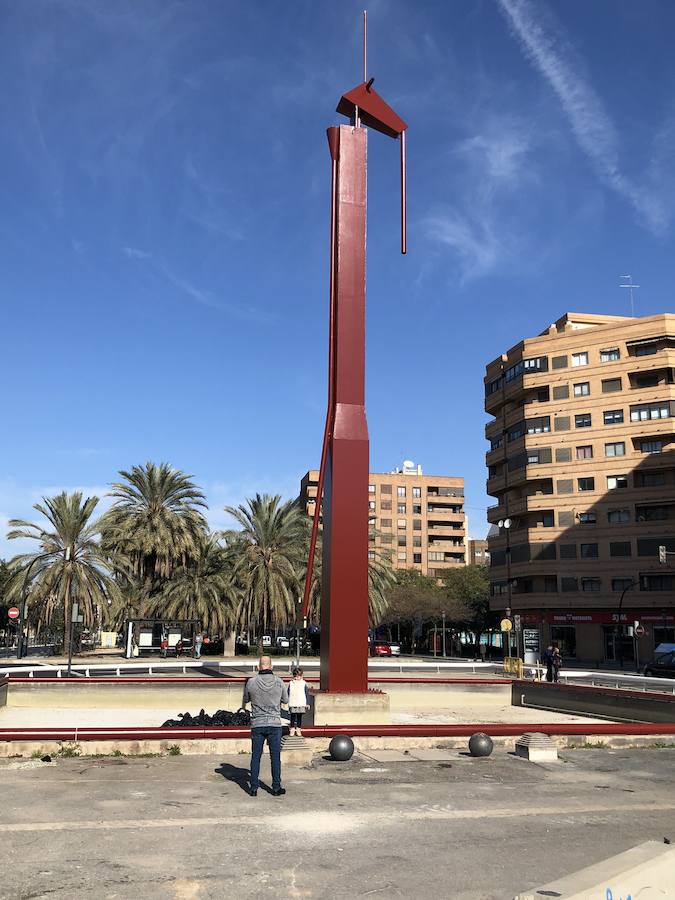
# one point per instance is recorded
(443, 617)
(617, 631)
(506, 525)
(23, 608)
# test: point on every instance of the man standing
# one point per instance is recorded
(265, 692)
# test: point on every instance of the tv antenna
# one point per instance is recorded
(631, 287)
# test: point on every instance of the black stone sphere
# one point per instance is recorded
(480, 744)
(341, 748)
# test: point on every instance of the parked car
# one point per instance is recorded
(283, 643)
(662, 667)
(395, 648)
(380, 648)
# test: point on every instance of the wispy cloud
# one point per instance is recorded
(135, 253)
(547, 47)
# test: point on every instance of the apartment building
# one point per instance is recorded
(477, 552)
(417, 521)
(581, 463)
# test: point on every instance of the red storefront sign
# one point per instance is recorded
(598, 617)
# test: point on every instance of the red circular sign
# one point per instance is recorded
(640, 630)
(13, 612)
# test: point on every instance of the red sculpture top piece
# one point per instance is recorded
(365, 103)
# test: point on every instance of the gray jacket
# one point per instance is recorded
(265, 692)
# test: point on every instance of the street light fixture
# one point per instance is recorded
(617, 632)
(506, 525)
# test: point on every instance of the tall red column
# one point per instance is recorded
(344, 591)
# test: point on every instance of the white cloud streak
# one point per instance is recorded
(547, 48)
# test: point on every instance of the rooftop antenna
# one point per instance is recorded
(365, 46)
(631, 287)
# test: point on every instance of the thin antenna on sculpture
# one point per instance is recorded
(631, 287)
(365, 45)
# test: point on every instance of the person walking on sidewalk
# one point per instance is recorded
(265, 692)
(298, 700)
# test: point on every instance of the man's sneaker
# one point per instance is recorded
(278, 792)
(253, 792)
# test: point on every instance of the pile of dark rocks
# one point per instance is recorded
(221, 717)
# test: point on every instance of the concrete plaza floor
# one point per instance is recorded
(444, 825)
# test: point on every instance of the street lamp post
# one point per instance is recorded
(506, 525)
(23, 608)
(617, 632)
(443, 617)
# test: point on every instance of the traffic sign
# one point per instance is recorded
(506, 625)
(13, 612)
(640, 630)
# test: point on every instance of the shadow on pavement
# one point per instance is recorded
(235, 774)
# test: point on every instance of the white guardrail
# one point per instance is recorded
(161, 666)
(598, 678)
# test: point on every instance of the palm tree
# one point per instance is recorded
(155, 522)
(381, 577)
(269, 552)
(70, 564)
(203, 590)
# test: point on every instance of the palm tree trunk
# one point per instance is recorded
(67, 612)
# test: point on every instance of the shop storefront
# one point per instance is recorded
(601, 636)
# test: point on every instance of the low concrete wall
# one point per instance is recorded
(646, 871)
(608, 703)
(407, 697)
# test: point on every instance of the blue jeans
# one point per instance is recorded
(271, 734)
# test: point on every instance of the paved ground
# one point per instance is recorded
(446, 826)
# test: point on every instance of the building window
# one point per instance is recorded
(656, 582)
(616, 481)
(539, 425)
(417, 509)
(401, 556)
(385, 489)
(586, 484)
(610, 355)
(401, 541)
(561, 423)
(371, 488)
(385, 538)
(400, 491)
(568, 551)
(417, 524)
(618, 516)
(612, 416)
(650, 479)
(417, 540)
(590, 585)
(619, 548)
(435, 556)
(588, 551)
(651, 446)
(561, 392)
(587, 518)
(585, 452)
(647, 411)
(371, 504)
(616, 449)
(401, 509)
(583, 420)
(385, 504)
(372, 520)
(563, 454)
(645, 350)
(566, 518)
(401, 524)
(568, 583)
(385, 523)
(564, 486)
(417, 557)
(583, 389)
(417, 492)
(621, 584)
(371, 554)
(611, 385)
(559, 362)
(580, 359)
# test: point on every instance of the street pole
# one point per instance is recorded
(617, 631)
(443, 634)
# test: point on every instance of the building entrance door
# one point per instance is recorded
(618, 643)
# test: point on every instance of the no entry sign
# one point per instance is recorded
(640, 630)
(13, 612)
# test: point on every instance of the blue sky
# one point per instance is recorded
(163, 234)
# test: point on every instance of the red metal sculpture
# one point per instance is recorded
(343, 475)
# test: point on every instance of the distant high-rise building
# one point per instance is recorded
(582, 467)
(416, 520)
(478, 553)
